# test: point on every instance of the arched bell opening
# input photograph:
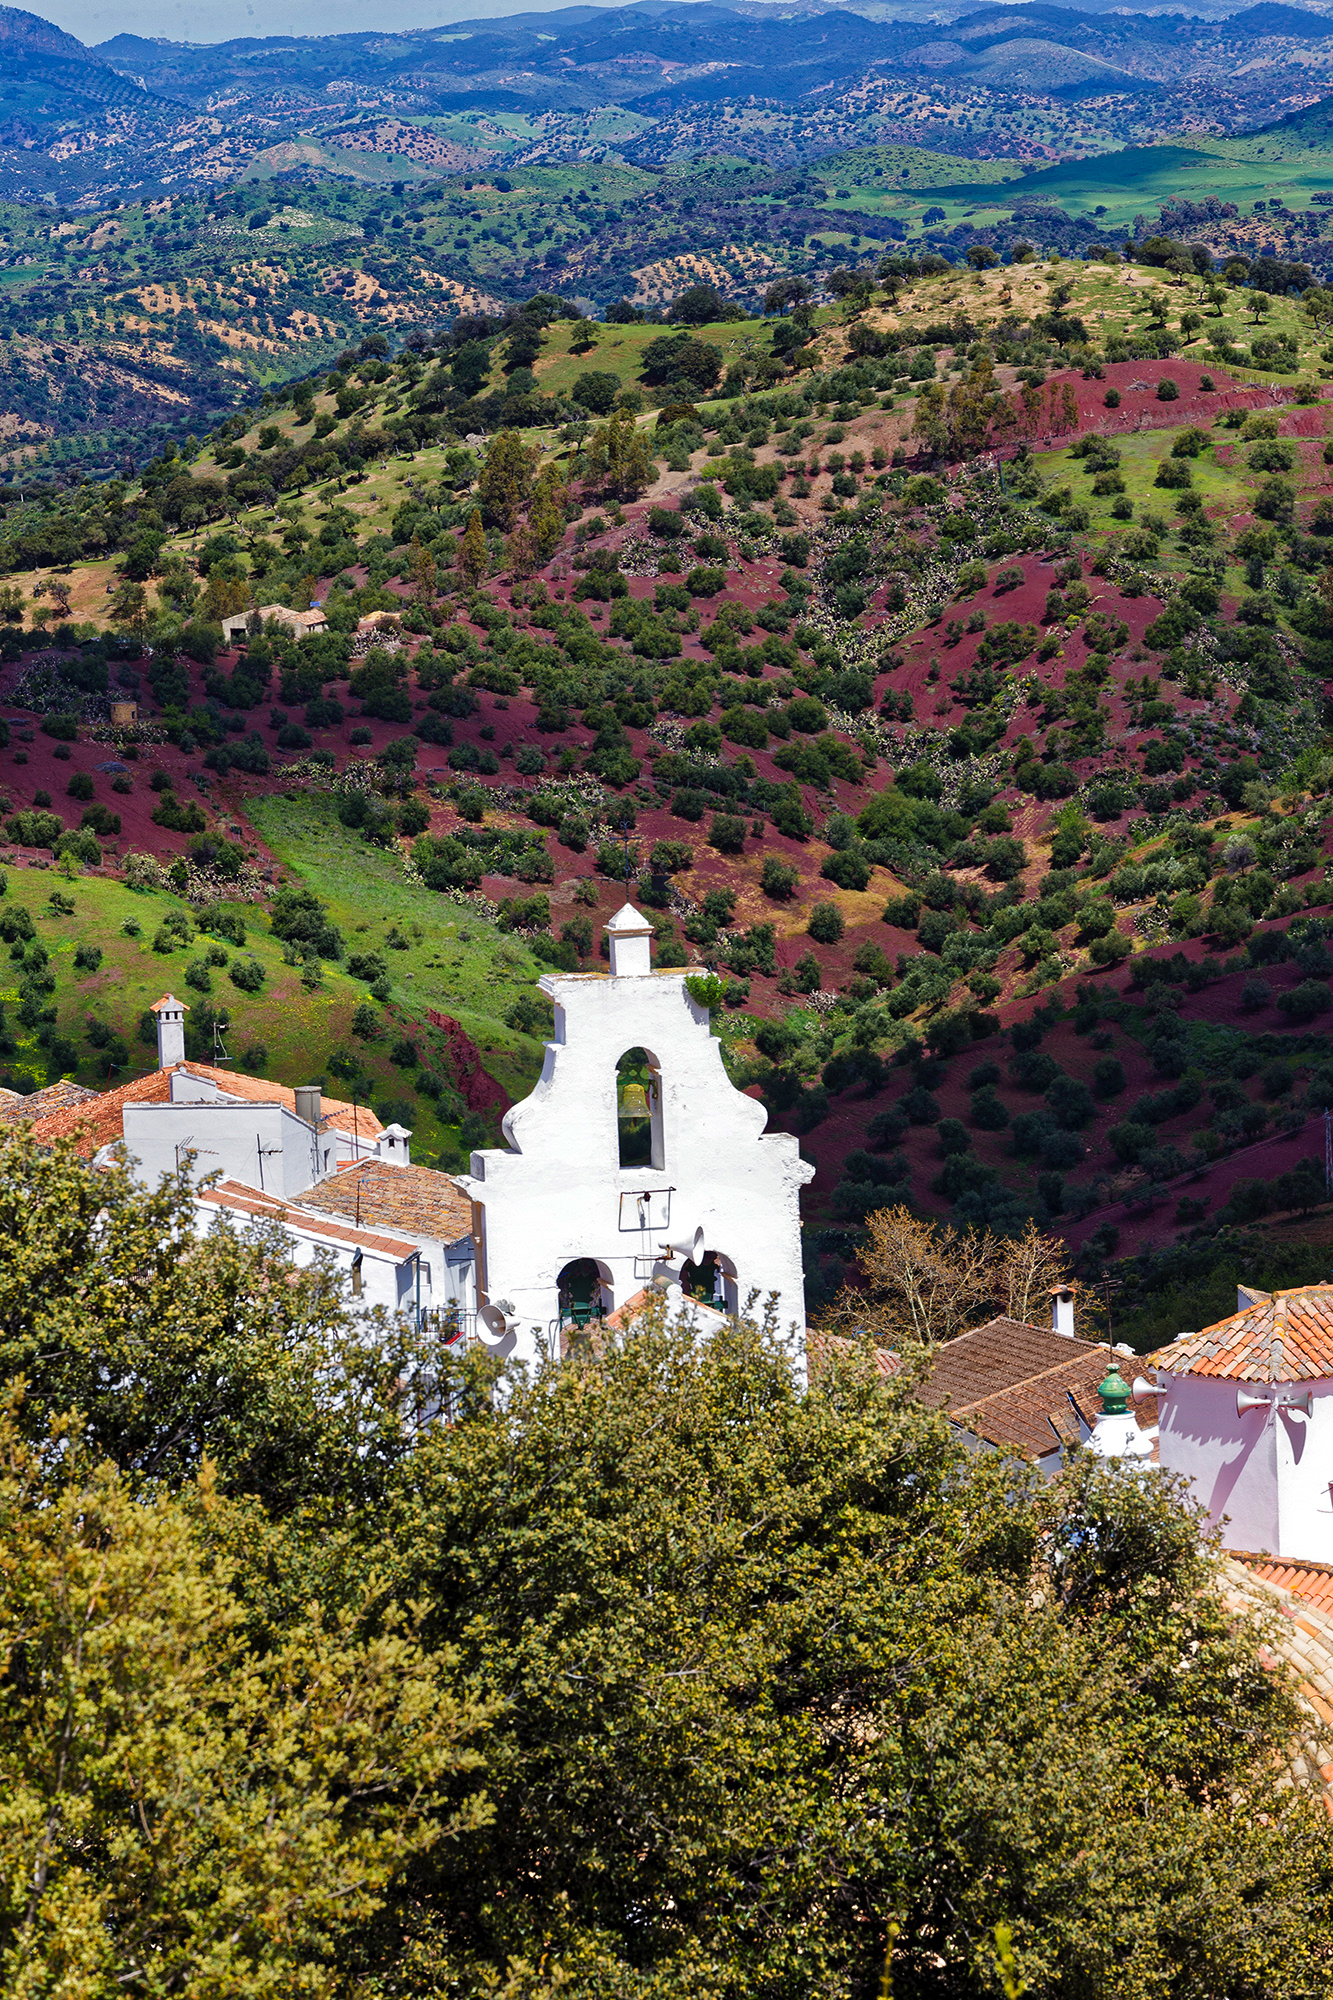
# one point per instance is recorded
(639, 1110)
(712, 1281)
(581, 1291)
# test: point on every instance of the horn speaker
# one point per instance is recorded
(692, 1248)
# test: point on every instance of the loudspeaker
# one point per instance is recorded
(497, 1319)
(1245, 1401)
(693, 1248)
(1305, 1403)
(1143, 1388)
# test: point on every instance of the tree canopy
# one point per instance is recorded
(338, 1664)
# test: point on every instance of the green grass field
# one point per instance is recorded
(449, 960)
(454, 960)
(1137, 180)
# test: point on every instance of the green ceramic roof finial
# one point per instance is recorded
(1114, 1392)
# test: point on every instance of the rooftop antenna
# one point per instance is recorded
(220, 1028)
(1109, 1288)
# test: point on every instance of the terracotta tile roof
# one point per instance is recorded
(1020, 1418)
(99, 1121)
(993, 1357)
(258, 1090)
(832, 1346)
(96, 1119)
(1304, 1639)
(238, 1199)
(1312, 1582)
(1287, 1337)
(417, 1198)
(15, 1109)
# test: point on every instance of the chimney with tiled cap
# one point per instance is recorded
(1115, 1430)
(1062, 1310)
(629, 935)
(170, 1014)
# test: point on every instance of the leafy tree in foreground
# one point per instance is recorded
(183, 1813)
(765, 1676)
(783, 1669)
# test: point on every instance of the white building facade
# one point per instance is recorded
(634, 1160)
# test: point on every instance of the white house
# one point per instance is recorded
(634, 1158)
(378, 1269)
(419, 1206)
(337, 1180)
(1246, 1415)
(300, 624)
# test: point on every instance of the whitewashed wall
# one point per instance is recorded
(560, 1194)
(1268, 1471)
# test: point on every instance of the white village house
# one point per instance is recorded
(300, 624)
(635, 1161)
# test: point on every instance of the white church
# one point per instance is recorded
(635, 1163)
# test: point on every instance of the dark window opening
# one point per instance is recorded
(580, 1291)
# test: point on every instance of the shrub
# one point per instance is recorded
(80, 786)
(919, 1107)
(87, 957)
(850, 870)
(248, 974)
(34, 829)
(1108, 1077)
(727, 833)
(178, 818)
(1071, 1102)
(952, 1136)
(1167, 390)
(986, 1111)
(1305, 1001)
(826, 924)
(779, 879)
(365, 1022)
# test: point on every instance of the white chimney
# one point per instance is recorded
(630, 935)
(394, 1146)
(170, 1014)
(1062, 1310)
(308, 1096)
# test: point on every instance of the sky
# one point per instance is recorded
(96, 21)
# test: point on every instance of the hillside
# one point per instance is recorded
(126, 325)
(991, 782)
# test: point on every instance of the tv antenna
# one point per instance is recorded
(220, 1027)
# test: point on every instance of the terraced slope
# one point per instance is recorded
(961, 713)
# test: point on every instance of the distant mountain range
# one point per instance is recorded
(648, 83)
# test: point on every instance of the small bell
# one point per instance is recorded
(634, 1102)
